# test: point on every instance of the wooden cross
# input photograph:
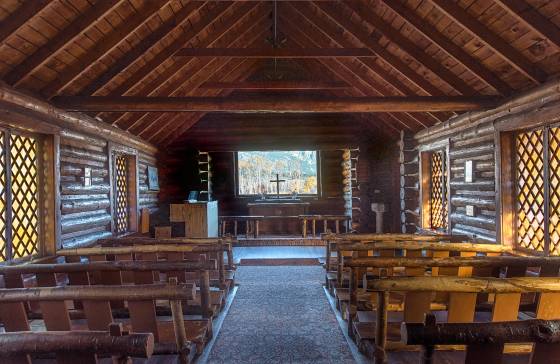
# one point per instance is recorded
(277, 181)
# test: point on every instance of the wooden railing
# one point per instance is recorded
(337, 219)
(251, 225)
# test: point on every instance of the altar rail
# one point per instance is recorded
(338, 219)
(251, 225)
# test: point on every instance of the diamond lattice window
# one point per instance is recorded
(121, 194)
(19, 196)
(438, 191)
(538, 190)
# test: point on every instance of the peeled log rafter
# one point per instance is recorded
(99, 342)
(541, 331)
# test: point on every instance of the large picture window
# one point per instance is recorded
(264, 172)
(19, 196)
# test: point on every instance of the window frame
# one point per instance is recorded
(506, 158)
(42, 192)
(133, 187)
(424, 177)
(301, 195)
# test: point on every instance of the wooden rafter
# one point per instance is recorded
(161, 86)
(102, 48)
(326, 27)
(203, 74)
(273, 104)
(276, 85)
(67, 35)
(275, 52)
(452, 49)
(140, 49)
(409, 47)
(502, 48)
(531, 17)
(135, 82)
(20, 16)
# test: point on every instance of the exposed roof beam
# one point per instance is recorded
(452, 49)
(67, 35)
(331, 30)
(531, 17)
(397, 38)
(182, 69)
(502, 48)
(276, 52)
(102, 47)
(22, 14)
(276, 85)
(273, 104)
(142, 47)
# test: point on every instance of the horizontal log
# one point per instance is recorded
(393, 237)
(303, 104)
(276, 85)
(138, 249)
(154, 241)
(480, 333)
(467, 285)
(100, 293)
(275, 52)
(99, 342)
(499, 261)
(133, 266)
(415, 245)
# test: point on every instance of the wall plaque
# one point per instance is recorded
(469, 171)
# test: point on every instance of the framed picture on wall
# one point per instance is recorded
(153, 182)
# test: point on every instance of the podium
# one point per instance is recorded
(200, 218)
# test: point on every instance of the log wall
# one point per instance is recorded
(472, 136)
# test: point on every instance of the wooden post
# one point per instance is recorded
(313, 226)
(256, 228)
(428, 350)
(325, 225)
(247, 230)
(235, 228)
(179, 326)
(381, 327)
(337, 226)
(304, 227)
(353, 289)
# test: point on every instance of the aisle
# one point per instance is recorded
(280, 315)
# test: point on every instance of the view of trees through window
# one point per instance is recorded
(297, 171)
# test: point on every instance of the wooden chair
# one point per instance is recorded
(75, 346)
(462, 304)
(485, 340)
(170, 336)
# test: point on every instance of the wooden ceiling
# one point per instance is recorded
(404, 48)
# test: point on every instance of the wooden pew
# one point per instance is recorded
(484, 340)
(337, 219)
(90, 273)
(77, 346)
(449, 266)
(331, 240)
(405, 248)
(170, 336)
(462, 297)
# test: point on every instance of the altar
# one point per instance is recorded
(281, 216)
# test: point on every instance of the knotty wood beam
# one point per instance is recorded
(452, 49)
(409, 47)
(497, 44)
(273, 104)
(102, 48)
(531, 17)
(276, 85)
(67, 35)
(140, 49)
(22, 14)
(276, 52)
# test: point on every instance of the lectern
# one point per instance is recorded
(200, 218)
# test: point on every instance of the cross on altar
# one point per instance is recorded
(277, 181)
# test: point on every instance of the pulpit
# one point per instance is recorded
(280, 217)
(200, 218)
